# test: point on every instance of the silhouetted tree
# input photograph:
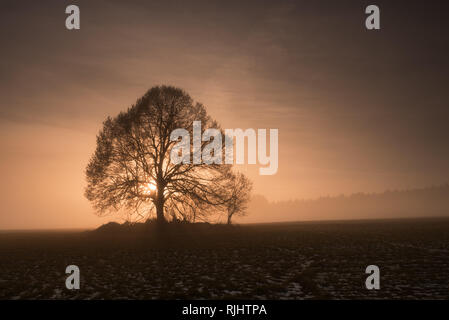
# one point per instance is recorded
(131, 168)
(239, 195)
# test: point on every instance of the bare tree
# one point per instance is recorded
(239, 195)
(131, 168)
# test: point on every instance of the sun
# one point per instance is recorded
(148, 188)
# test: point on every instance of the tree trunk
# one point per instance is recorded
(160, 211)
(160, 200)
(229, 218)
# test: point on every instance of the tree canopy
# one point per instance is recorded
(131, 170)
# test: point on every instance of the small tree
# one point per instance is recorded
(131, 168)
(239, 195)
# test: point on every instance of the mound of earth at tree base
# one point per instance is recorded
(151, 227)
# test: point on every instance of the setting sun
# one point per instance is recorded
(148, 188)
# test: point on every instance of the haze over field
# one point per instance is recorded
(426, 202)
(357, 111)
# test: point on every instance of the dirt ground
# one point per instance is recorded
(325, 260)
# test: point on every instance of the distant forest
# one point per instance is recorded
(425, 202)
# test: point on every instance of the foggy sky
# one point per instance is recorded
(356, 110)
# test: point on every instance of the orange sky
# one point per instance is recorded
(356, 111)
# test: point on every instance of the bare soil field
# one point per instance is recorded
(316, 260)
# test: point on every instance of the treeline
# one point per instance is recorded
(426, 202)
